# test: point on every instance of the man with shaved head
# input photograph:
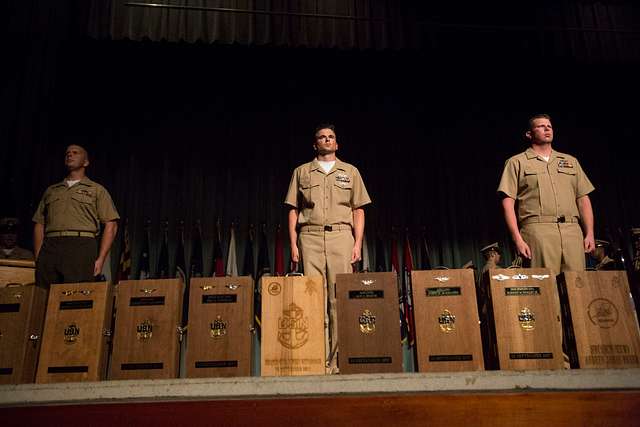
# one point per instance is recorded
(67, 225)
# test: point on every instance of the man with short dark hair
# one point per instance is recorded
(601, 256)
(67, 224)
(545, 200)
(326, 221)
(9, 248)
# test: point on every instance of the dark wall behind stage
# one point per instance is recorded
(211, 132)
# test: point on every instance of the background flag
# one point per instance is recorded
(163, 260)
(248, 264)
(218, 257)
(425, 255)
(395, 267)
(366, 264)
(181, 265)
(381, 258)
(124, 266)
(232, 257)
(264, 267)
(145, 271)
(407, 290)
(195, 267)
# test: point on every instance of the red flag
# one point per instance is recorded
(279, 266)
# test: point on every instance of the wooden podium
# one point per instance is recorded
(526, 316)
(17, 271)
(220, 327)
(368, 324)
(146, 341)
(601, 328)
(22, 309)
(446, 320)
(292, 326)
(76, 333)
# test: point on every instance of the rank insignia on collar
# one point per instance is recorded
(564, 164)
(343, 178)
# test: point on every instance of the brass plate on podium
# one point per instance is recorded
(75, 340)
(446, 320)
(526, 313)
(17, 271)
(368, 324)
(220, 327)
(22, 311)
(292, 326)
(602, 320)
(146, 340)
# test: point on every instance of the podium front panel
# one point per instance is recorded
(368, 323)
(146, 340)
(75, 340)
(602, 319)
(21, 272)
(446, 320)
(220, 327)
(293, 341)
(526, 312)
(22, 310)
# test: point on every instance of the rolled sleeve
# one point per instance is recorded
(509, 180)
(584, 186)
(360, 196)
(105, 207)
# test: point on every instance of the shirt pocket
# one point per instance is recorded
(51, 203)
(84, 198)
(567, 179)
(531, 178)
(342, 192)
(307, 192)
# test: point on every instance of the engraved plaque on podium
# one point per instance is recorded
(526, 314)
(76, 333)
(599, 318)
(368, 324)
(22, 311)
(220, 327)
(446, 320)
(292, 326)
(146, 340)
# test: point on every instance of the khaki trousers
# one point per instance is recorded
(327, 253)
(559, 247)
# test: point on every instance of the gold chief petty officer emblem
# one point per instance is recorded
(367, 322)
(527, 319)
(218, 328)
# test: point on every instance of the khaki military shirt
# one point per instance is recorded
(81, 207)
(544, 188)
(326, 198)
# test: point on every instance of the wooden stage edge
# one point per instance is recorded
(556, 398)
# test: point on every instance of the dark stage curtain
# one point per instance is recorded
(345, 24)
(181, 131)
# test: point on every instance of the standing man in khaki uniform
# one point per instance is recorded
(326, 222)
(545, 200)
(67, 224)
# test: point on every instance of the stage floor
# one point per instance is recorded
(246, 388)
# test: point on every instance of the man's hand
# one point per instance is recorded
(295, 253)
(523, 249)
(589, 243)
(97, 267)
(356, 254)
